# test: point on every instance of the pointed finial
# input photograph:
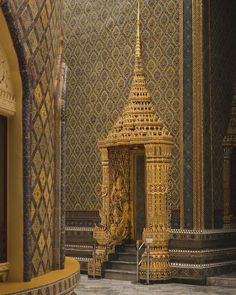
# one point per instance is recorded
(138, 46)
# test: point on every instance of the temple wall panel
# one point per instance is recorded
(99, 50)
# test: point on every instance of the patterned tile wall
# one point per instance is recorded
(188, 115)
(222, 42)
(99, 50)
(39, 25)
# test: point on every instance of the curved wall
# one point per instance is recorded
(35, 27)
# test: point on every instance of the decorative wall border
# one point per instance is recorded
(207, 235)
(27, 80)
(202, 265)
(188, 124)
(63, 165)
(207, 128)
(203, 232)
(181, 136)
(78, 228)
(61, 287)
(198, 93)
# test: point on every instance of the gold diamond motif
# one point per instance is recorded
(43, 114)
(41, 242)
(37, 194)
(36, 226)
(42, 178)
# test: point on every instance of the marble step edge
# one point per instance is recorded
(121, 271)
(203, 265)
(203, 251)
(123, 262)
(126, 253)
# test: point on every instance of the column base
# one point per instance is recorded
(4, 269)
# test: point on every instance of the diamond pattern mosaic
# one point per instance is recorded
(40, 28)
(99, 50)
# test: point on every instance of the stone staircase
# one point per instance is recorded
(122, 265)
(81, 253)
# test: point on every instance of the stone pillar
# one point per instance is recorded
(157, 231)
(226, 186)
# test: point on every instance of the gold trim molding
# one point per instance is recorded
(181, 87)
(198, 160)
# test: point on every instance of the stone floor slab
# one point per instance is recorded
(114, 287)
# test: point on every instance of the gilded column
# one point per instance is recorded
(226, 186)
(157, 231)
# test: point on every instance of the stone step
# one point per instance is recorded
(126, 256)
(117, 274)
(123, 265)
(130, 248)
(79, 253)
(227, 280)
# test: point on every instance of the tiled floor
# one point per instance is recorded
(113, 287)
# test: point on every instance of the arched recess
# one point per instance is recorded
(18, 131)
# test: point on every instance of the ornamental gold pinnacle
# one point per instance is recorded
(138, 123)
(138, 88)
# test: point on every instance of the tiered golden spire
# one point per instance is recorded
(138, 88)
(138, 123)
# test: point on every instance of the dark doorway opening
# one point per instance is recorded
(139, 192)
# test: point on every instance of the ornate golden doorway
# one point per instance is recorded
(139, 135)
(137, 193)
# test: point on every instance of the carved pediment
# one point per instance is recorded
(7, 97)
